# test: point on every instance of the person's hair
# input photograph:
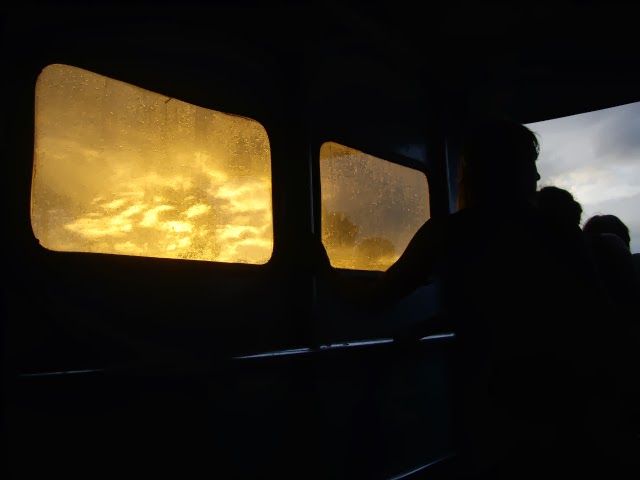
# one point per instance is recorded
(559, 205)
(496, 156)
(608, 224)
(501, 142)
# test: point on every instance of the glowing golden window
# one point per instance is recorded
(122, 170)
(370, 207)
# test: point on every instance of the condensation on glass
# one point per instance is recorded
(122, 170)
(371, 208)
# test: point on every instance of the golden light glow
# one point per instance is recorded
(122, 170)
(370, 207)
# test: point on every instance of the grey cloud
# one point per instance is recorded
(620, 136)
(552, 165)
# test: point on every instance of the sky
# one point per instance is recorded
(122, 170)
(596, 157)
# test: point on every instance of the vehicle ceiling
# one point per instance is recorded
(349, 60)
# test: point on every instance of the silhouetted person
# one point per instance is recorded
(608, 224)
(524, 305)
(608, 241)
(606, 236)
(559, 206)
(562, 213)
(611, 241)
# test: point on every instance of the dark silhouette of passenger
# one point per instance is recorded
(610, 240)
(559, 206)
(562, 213)
(608, 224)
(524, 301)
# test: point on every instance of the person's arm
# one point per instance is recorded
(410, 271)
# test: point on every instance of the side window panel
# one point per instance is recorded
(121, 170)
(371, 208)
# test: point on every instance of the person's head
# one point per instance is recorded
(608, 224)
(559, 205)
(498, 163)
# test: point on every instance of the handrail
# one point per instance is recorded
(350, 344)
(424, 469)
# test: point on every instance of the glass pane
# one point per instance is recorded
(595, 156)
(122, 170)
(370, 207)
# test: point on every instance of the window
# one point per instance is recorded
(595, 156)
(121, 170)
(371, 208)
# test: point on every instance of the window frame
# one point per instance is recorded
(429, 166)
(139, 259)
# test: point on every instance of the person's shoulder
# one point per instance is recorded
(463, 225)
(458, 219)
(447, 228)
(607, 241)
(464, 216)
